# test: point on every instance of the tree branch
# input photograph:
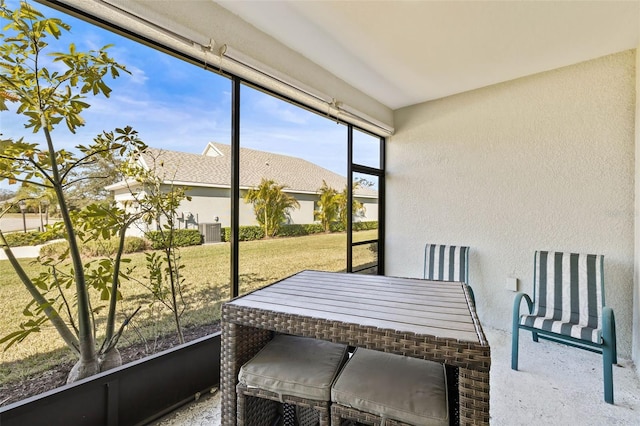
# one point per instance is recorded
(80, 161)
(64, 299)
(51, 313)
(73, 182)
(30, 182)
(111, 318)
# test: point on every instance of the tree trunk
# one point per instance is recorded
(105, 362)
(83, 369)
(110, 360)
(88, 363)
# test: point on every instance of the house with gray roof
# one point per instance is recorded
(207, 177)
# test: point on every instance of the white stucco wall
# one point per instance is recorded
(370, 210)
(545, 162)
(636, 275)
(207, 204)
(305, 213)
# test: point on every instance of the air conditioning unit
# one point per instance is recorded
(211, 232)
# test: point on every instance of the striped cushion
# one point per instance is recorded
(568, 295)
(445, 263)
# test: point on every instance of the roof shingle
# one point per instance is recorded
(297, 174)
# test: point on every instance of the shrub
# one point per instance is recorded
(251, 233)
(357, 226)
(135, 244)
(336, 227)
(109, 247)
(32, 238)
(365, 226)
(96, 248)
(246, 233)
(300, 230)
(181, 238)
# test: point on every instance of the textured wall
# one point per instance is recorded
(542, 162)
(636, 276)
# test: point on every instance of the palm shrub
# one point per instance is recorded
(271, 205)
(343, 200)
(328, 206)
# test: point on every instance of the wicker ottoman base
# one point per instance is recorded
(342, 416)
(257, 407)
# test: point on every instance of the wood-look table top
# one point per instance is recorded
(439, 309)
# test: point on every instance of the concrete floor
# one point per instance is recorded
(556, 385)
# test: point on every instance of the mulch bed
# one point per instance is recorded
(57, 376)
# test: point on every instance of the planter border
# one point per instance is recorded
(135, 393)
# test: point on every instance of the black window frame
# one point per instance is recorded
(236, 83)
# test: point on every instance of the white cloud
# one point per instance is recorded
(138, 75)
(273, 107)
(175, 105)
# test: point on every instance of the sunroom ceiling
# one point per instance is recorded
(406, 52)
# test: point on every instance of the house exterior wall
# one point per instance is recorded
(305, 213)
(207, 204)
(545, 162)
(370, 210)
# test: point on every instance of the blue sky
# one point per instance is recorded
(176, 105)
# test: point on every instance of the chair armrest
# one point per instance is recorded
(516, 326)
(516, 306)
(471, 295)
(608, 319)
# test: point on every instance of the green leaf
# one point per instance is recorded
(10, 336)
(13, 338)
(41, 284)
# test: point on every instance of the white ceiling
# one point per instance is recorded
(406, 52)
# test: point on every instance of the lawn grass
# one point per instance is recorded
(207, 286)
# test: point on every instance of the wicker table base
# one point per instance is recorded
(246, 329)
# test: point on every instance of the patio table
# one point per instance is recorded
(425, 319)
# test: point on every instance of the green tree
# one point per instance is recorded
(91, 179)
(29, 194)
(328, 206)
(356, 208)
(271, 205)
(46, 97)
(158, 203)
(35, 196)
(6, 194)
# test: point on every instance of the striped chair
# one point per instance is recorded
(447, 263)
(568, 307)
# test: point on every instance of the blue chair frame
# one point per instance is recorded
(606, 327)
